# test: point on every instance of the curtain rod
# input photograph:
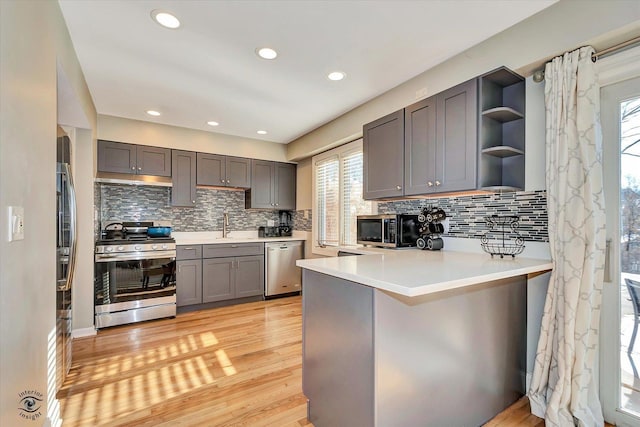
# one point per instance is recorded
(596, 55)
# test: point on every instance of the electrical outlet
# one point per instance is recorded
(16, 223)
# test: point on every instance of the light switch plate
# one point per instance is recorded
(16, 223)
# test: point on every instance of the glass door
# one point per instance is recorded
(620, 338)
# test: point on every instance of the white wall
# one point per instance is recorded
(159, 135)
(33, 38)
(564, 26)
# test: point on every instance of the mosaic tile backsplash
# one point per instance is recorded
(145, 202)
(466, 213)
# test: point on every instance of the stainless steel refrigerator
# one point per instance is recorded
(66, 257)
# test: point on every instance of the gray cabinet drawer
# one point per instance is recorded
(232, 249)
(188, 252)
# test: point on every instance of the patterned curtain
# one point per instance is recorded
(564, 388)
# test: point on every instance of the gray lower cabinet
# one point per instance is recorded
(273, 186)
(183, 178)
(223, 171)
(189, 279)
(118, 157)
(220, 272)
(218, 279)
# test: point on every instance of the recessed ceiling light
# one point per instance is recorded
(336, 75)
(266, 53)
(153, 113)
(212, 123)
(166, 19)
(262, 132)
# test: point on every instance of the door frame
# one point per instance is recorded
(615, 73)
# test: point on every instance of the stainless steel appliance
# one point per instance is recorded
(282, 276)
(389, 230)
(65, 258)
(135, 275)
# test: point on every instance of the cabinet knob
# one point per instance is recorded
(193, 201)
(430, 184)
(139, 169)
(277, 204)
(398, 187)
(222, 181)
(133, 168)
(228, 182)
(437, 183)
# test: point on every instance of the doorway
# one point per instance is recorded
(620, 335)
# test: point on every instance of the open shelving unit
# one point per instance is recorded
(501, 133)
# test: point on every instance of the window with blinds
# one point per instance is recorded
(338, 195)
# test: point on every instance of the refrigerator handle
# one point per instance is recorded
(71, 191)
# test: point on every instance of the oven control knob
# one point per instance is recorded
(137, 247)
(109, 249)
(121, 248)
(154, 247)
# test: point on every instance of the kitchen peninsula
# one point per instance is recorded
(410, 337)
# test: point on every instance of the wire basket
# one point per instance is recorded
(502, 237)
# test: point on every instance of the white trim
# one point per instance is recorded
(338, 153)
(84, 332)
(619, 67)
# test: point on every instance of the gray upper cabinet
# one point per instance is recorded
(285, 186)
(153, 161)
(118, 157)
(457, 138)
(273, 186)
(223, 171)
(502, 132)
(436, 140)
(383, 157)
(183, 177)
(420, 147)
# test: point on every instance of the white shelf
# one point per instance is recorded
(502, 151)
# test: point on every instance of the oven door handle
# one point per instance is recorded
(136, 256)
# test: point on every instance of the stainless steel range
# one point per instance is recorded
(135, 274)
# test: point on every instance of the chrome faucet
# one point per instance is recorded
(225, 224)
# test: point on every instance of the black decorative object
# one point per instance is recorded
(431, 228)
(502, 236)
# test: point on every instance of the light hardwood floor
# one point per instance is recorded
(231, 366)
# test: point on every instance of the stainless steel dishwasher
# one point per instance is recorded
(281, 274)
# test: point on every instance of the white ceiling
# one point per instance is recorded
(208, 70)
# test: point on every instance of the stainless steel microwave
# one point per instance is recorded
(388, 231)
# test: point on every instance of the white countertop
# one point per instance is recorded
(215, 237)
(412, 272)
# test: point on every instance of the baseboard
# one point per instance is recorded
(84, 332)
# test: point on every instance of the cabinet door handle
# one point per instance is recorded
(398, 187)
(430, 184)
(437, 183)
(188, 249)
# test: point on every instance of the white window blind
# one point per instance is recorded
(338, 195)
(352, 203)
(328, 200)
